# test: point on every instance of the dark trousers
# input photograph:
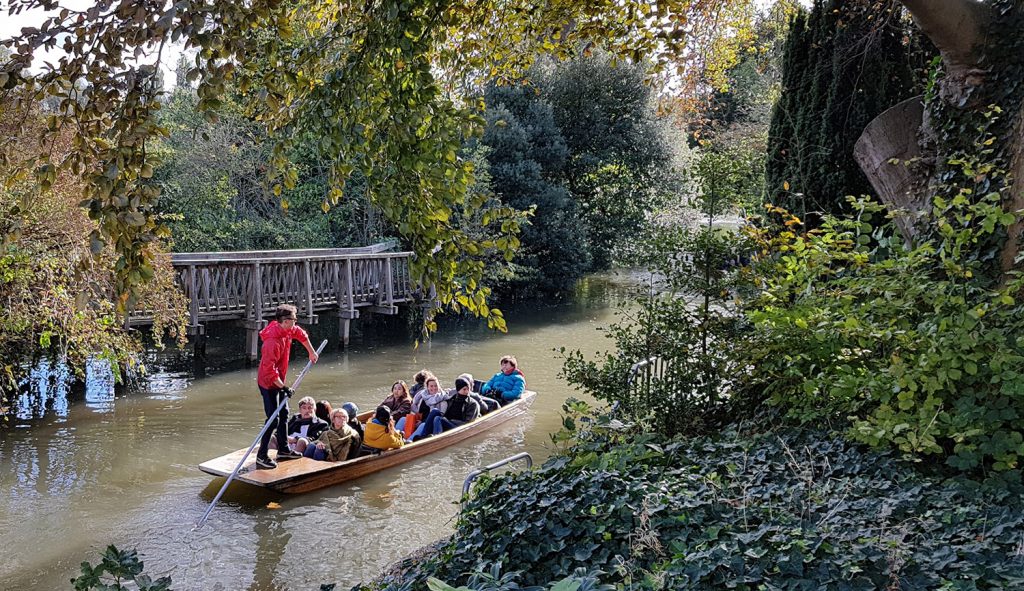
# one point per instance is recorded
(271, 398)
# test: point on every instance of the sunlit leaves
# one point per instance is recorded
(383, 84)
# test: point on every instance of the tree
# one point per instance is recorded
(57, 296)
(618, 155)
(215, 196)
(527, 156)
(378, 84)
(916, 152)
(844, 63)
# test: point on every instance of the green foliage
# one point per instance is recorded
(844, 63)
(778, 511)
(118, 570)
(912, 344)
(55, 294)
(492, 580)
(618, 157)
(379, 86)
(527, 156)
(687, 325)
(214, 194)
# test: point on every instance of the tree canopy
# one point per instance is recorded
(385, 85)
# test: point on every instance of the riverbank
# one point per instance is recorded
(85, 470)
(789, 509)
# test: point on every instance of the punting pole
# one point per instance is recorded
(295, 386)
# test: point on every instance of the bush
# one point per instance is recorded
(791, 510)
(914, 345)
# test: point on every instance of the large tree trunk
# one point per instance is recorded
(959, 30)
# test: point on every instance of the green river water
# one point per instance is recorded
(80, 471)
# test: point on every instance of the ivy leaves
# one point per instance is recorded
(786, 510)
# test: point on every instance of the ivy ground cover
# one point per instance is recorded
(792, 510)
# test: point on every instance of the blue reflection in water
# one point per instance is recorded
(47, 389)
(99, 385)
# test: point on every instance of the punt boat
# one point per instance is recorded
(305, 474)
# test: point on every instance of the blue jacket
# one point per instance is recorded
(511, 386)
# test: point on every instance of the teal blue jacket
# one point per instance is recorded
(511, 386)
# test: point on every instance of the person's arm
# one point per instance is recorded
(490, 384)
(473, 412)
(303, 338)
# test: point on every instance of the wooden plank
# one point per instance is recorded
(308, 282)
(304, 474)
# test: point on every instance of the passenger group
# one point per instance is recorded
(405, 416)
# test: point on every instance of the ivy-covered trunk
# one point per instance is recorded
(976, 92)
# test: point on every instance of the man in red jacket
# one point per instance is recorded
(277, 343)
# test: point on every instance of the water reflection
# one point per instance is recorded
(95, 468)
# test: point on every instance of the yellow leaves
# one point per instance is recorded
(785, 185)
(272, 505)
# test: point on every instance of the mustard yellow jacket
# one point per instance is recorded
(377, 438)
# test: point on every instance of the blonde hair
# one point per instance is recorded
(307, 400)
(339, 411)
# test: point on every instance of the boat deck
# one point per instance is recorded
(304, 474)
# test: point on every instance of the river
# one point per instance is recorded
(81, 472)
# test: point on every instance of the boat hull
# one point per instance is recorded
(304, 474)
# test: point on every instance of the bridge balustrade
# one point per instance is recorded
(247, 286)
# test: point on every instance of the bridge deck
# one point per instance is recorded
(248, 286)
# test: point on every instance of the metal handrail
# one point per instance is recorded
(635, 369)
(480, 471)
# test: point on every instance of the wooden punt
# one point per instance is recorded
(303, 474)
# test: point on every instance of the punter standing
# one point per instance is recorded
(277, 343)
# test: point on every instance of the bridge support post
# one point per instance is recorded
(252, 340)
(343, 328)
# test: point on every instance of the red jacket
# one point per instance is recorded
(277, 344)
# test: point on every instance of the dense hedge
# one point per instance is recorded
(779, 511)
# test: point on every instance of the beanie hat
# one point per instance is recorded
(460, 384)
(351, 409)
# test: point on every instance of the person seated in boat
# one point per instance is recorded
(486, 403)
(507, 385)
(381, 433)
(461, 409)
(304, 427)
(324, 410)
(400, 403)
(353, 418)
(435, 400)
(419, 405)
(419, 381)
(336, 443)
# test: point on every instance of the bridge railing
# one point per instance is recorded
(250, 285)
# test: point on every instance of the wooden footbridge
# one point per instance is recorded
(247, 286)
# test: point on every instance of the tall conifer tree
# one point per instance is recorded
(845, 62)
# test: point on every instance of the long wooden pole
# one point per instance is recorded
(295, 386)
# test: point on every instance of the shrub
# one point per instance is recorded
(791, 510)
(914, 345)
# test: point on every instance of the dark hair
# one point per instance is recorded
(324, 410)
(510, 359)
(383, 416)
(421, 376)
(285, 311)
(405, 388)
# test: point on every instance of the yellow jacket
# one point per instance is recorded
(377, 438)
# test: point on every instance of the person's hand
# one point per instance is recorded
(287, 391)
(313, 357)
(319, 445)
